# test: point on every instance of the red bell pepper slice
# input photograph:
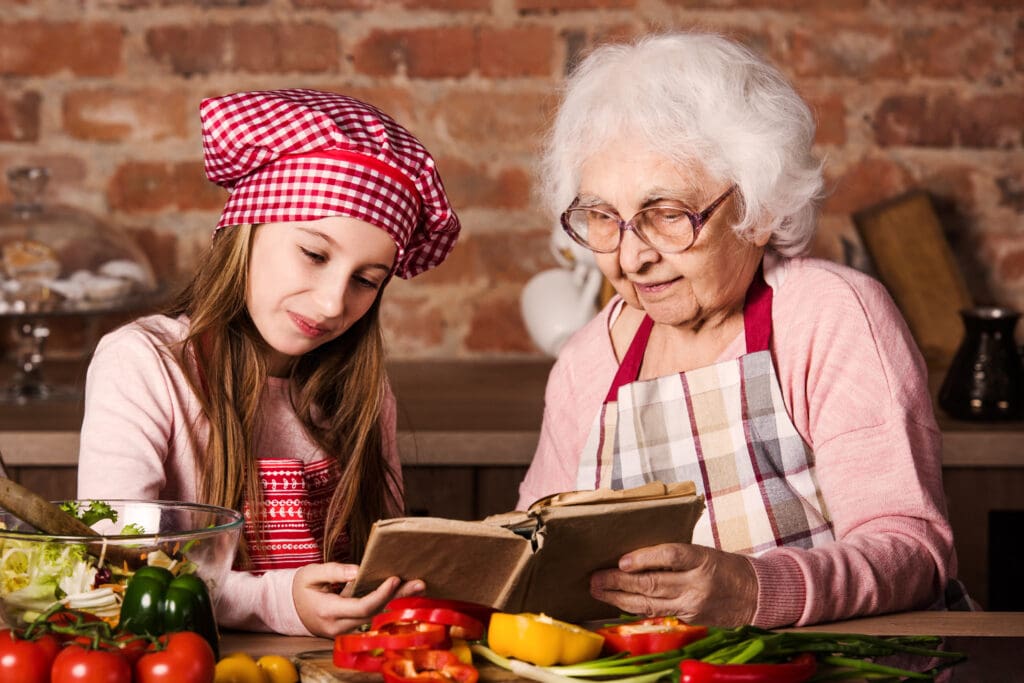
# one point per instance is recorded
(796, 670)
(460, 625)
(399, 636)
(481, 613)
(427, 666)
(359, 661)
(646, 636)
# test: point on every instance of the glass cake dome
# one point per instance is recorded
(57, 259)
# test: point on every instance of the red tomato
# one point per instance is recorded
(26, 661)
(76, 664)
(182, 657)
(128, 645)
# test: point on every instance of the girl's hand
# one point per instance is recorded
(698, 584)
(325, 613)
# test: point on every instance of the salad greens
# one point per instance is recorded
(35, 575)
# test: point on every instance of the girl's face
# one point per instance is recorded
(309, 281)
(688, 289)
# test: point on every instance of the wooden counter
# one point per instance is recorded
(990, 639)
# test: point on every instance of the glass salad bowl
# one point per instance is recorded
(38, 571)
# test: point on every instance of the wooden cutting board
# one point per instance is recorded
(315, 666)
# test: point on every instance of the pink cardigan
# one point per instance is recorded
(856, 388)
(139, 410)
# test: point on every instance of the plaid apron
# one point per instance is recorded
(286, 531)
(725, 427)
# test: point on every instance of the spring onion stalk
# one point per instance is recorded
(845, 654)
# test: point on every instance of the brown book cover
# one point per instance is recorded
(536, 561)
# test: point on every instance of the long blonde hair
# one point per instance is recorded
(336, 390)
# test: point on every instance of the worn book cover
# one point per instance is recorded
(534, 561)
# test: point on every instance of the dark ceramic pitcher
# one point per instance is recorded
(986, 378)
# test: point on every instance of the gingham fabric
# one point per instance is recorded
(294, 155)
(724, 427)
(285, 532)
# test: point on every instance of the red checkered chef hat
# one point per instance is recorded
(294, 155)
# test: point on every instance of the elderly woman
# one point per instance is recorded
(788, 389)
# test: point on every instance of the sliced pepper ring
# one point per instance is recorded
(460, 625)
(651, 635)
(427, 666)
(397, 636)
(481, 613)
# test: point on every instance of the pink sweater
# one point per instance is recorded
(139, 410)
(856, 389)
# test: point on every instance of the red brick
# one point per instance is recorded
(855, 48)
(411, 322)
(19, 116)
(446, 52)
(249, 47)
(984, 121)
(513, 257)
(517, 52)
(951, 51)
(155, 186)
(334, 4)
(496, 325)
(471, 186)
(448, 5)
(161, 249)
(830, 113)
(146, 4)
(1018, 49)
(489, 120)
(1011, 190)
(114, 115)
(866, 183)
(789, 5)
(969, 5)
(563, 5)
(462, 267)
(41, 48)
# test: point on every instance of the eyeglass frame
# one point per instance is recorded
(697, 223)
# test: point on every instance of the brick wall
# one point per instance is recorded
(909, 93)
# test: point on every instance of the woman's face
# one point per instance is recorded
(309, 281)
(688, 289)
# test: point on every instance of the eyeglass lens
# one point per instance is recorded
(664, 227)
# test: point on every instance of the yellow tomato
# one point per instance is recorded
(238, 667)
(541, 640)
(278, 669)
(460, 648)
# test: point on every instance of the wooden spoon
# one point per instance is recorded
(30, 507)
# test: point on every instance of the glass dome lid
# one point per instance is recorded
(60, 259)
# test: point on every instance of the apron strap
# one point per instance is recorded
(757, 328)
(629, 368)
(757, 314)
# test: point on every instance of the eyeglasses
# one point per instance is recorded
(669, 227)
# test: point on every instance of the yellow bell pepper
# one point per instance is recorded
(541, 640)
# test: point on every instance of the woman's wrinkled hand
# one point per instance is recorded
(325, 613)
(700, 585)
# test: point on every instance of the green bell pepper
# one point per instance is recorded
(157, 602)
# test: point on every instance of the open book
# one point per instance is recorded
(534, 561)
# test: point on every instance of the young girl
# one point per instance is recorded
(262, 388)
